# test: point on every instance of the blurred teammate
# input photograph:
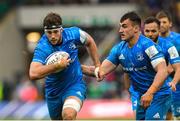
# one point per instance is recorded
(165, 33)
(65, 90)
(151, 30)
(142, 60)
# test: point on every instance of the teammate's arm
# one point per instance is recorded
(88, 70)
(170, 69)
(159, 79)
(105, 68)
(38, 70)
(92, 50)
(175, 66)
(176, 77)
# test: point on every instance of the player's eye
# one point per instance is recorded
(147, 31)
(55, 31)
(48, 32)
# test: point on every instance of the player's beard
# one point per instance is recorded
(54, 41)
(156, 39)
(163, 30)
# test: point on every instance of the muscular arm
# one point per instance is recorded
(92, 50)
(170, 69)
(105, 68)
(176, 68)
(159, 78)
(88, 70)
(38, 70)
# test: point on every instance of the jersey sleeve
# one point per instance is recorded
(79, 36)
(113, 55)
(154, 53)
(39, 55)
(173, 56)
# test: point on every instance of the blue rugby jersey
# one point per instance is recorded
(58, 82)
(136, 61)
(169, 50)
(174, 38)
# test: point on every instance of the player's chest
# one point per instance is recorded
(132, 57)
(68, 47)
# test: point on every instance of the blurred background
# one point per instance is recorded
(20, 30)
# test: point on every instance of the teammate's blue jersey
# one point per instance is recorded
(174, 38)
(169, 51)
(58, 82)
(138, 62)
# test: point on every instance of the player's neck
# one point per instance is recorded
(60, 41)
(165, 34)
(133, 40)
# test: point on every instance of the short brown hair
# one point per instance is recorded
(152, 19)
(164, 14)
(52, 20)
(134, 17)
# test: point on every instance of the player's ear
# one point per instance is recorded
(170, 24)
(136, 28)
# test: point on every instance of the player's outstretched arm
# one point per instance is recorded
(170, 69)
(176, 77)
(92, 50)
(88, 70)
(159, 79)
(105, 68)
(38, 70)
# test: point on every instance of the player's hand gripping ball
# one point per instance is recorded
(55, 57)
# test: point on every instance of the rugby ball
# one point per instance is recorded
(55, 57)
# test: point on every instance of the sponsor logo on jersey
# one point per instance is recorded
(151, 51)
(134, 69)
(156, 115)
(121, 57)
(173, 52)
(79, 93)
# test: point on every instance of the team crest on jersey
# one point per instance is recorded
(140, 56)
(72, 46)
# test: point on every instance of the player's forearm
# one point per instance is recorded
(93, 52)
(40, 72)
(176, 77)
(88, 70)
(170, 69)
(106, 67)
(159, 79)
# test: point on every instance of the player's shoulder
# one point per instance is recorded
(120, 45)
(71, 29)
(43, 42)
(143, 40)
(174, 34)
(71, 33)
